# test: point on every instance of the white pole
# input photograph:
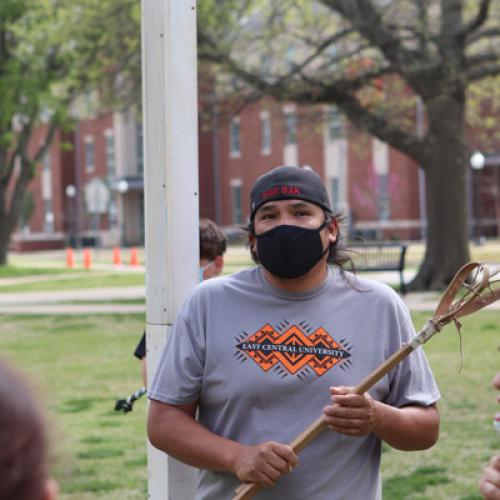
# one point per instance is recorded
(171, 195)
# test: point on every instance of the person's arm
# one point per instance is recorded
(174, 430)
(489, 486)
(408, 428)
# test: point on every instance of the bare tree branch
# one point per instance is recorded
(483, 72)
(480, 18)
(480, 35)
(477, 59)
(313, 42)
(216, 55)
(49, 136)
(366, 19)
(362, 117)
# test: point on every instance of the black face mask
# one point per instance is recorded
(290, 251)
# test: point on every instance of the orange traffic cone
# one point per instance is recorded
(87, 259)
(70, 258)
(117, 260)
(134, 257)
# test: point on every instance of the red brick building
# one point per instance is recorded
(89, 187)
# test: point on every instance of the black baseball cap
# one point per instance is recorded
(285, 183)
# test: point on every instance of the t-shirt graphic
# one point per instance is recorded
(293, 349)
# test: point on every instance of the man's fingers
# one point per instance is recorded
(339, 390)
(346, 412)
(353, 400)
(286, 453)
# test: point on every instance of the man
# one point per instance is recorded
(263, 352)
(489, 485)
(213, 243)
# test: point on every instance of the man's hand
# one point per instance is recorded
(264, 463)
(350, 414)
(490, 482)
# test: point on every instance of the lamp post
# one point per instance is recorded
(477, 162)
(71, 195)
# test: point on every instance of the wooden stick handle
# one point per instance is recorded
(446, 311)
(247, 490)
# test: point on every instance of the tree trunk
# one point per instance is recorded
(447, 246)
(4, 242)
(10, 207)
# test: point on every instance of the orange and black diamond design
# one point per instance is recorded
(293, 350)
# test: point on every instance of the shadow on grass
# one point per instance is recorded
(94, 440)
(99, 453)
(89, 485)
(70, 328)
(403, 486)
(77, 405)
(141, 461)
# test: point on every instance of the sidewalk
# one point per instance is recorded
(66, 302)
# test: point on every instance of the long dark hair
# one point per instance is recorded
(23, 443)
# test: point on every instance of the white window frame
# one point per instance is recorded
(235, 141)
(110, 155)
(236, 211)
(290, 116)
(266, 136)
(334, 124)
(89, 166)
(380, 155)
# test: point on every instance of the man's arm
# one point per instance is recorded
(408, 428)
(174, 430)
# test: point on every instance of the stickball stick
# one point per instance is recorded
(453, 305)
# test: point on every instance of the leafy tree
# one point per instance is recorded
(51, 53)
(376, 60)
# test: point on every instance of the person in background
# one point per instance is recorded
(24, 470)
(213, 244)
(489, 485)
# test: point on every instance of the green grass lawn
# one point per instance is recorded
(451, 469)
(11, 271)
(87, 279)
(83, 364)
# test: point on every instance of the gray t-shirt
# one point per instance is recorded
(260, 361)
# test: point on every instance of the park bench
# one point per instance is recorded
(379, 256)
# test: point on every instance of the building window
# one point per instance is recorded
(110, 155)
(236, 201)
(113, 212)
(335, 194)
(48, 216)
(48, 212)
(332, 56)
(384, 202)
(380, 155)
(290, 57)
(234, 138)
(140, 149)
(265, 128)
(89, 155)
(290, 128)
(335, 125)
(265, 66)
